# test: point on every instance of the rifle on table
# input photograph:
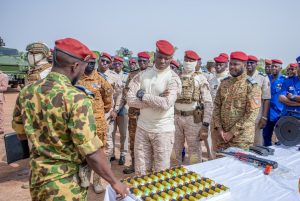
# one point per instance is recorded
(251, 159)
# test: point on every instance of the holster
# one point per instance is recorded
(198, 114)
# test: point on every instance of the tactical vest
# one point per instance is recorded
(190, 93)
(34, 74)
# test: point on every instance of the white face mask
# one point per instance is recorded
(34, 59)
(189, 67)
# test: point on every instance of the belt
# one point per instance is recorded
(184, 113)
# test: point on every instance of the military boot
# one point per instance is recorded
(98, 187)
(130, 169)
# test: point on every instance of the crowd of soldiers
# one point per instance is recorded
(71, 109)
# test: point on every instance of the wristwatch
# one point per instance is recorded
(293, 97)
(205, 124)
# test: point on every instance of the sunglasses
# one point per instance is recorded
(116, 64)
(251, 62)
(104, 61)
(143, 60)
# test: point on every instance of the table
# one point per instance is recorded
(248, 183)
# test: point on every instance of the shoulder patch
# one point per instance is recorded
(263, 74)
(85, 90)
(251, 80)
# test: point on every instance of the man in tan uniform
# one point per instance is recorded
(133, 113)
(236, 106)
(102, 103)
(121, 121)
(221, 66)
(264, 85)
(193, 110)
(155, 91)
(114, 80)
(38, 53)
(211, 66)
(3, 88)
(268, 64)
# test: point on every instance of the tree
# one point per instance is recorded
(124, 52)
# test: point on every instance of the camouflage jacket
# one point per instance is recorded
(236, 104)
(34, 73)
(59, 122)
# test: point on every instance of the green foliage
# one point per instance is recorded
(124, 52)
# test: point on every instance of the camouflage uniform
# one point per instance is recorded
(154, 136)
(3, 87)
(34, 74)
(235, 109)
(264, 85)
(114, 79)
(215, 82)
(58, 120)
(102, 102)
(195, 92)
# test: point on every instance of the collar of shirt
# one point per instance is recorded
(58, 77)
(242, 76)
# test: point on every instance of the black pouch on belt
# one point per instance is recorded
(198, 114)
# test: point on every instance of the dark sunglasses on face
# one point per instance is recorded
(143, 60)
(117, 64)
(104, 61)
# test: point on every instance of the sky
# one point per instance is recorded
(264, 28)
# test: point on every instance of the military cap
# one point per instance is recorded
(105, 54)
(132, 61)
(165, 47)
(224, 55)
(74, 47)
(268, 62)
(277, 61)
(252, 58)
(38, 47)
(144, 55)
(239, 56)
(293, 65)
(175, 63)
(220, 59)
(192, 55)
(117, 58)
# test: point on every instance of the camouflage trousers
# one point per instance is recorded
(242, 139)
(66, 189)
(101, 130)
(132, 124)
(187, 130)
(152, 151)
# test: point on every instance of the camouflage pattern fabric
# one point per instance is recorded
(58, 120)
(236, 107)
(102, 102)
(64, 189)
(33, 74)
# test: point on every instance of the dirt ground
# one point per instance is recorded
(13, 176)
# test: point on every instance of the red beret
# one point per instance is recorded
(191, 55)
(268, 62)
(73, 47)
(132, 61)
(220, 59)
(104, 54)
(277, 61)
(252, 58)
(294, 65)
(144, 55)
(165, 47)
(224, 55)
(117, 58)
(239, 56)
(94, 55)
(175, 63)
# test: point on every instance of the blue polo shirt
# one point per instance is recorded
(291, 85)
(276, 106)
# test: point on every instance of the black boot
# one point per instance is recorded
(112, 158)
(122, 160)
(129, 170)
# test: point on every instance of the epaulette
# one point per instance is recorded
(251, 80)
(261, 73)
(85, 90)
(103, 75)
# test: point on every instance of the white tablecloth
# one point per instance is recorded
(248, 183)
